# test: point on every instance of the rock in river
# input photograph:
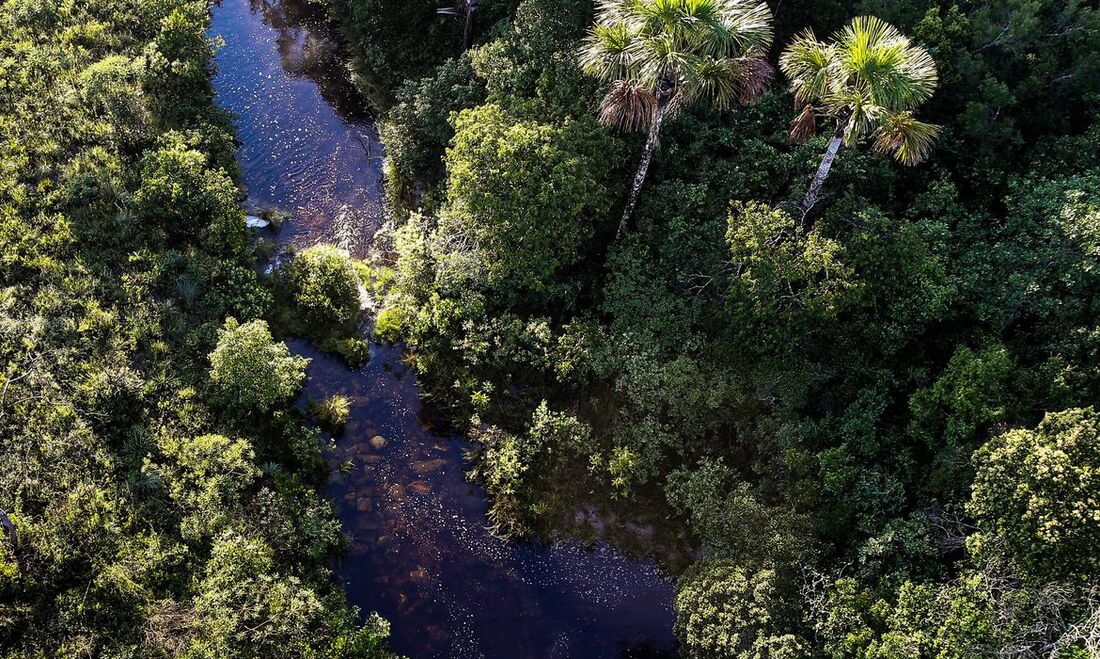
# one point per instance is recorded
(426, 466)
(378, 442)
(420, 487)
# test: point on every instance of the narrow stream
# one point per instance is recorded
(419, 551)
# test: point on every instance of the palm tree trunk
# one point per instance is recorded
(469, 24)
(643, 166)
(814, 193)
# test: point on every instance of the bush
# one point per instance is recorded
(390, 321)
(323, 286)
(251, 372)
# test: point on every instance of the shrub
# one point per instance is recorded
(250, 371)
(323, 287)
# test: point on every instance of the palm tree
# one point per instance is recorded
(868, 80)
(662, 55)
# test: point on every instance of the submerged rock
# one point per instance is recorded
(420, 487)
(397, 493)
(426, 466)
(437, 633)
(378, 442)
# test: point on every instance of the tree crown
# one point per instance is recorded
(677, 52)
(870, 77)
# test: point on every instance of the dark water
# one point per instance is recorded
(419, 551)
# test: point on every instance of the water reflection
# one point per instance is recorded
(419, 552)
(305, 150)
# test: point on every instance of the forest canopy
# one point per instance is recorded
(837, 319)
(809, 288)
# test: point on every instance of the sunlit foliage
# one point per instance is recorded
(133, 415)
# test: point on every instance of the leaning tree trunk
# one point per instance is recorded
(814, 193)
(643, 166)
(467, 28)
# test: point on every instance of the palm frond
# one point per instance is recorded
(731, 28)
(749, 24)
(804, 126)
(683, 48)
(920, 70)
(754, 74)
(628, 106)
(907, 139)
(605, 52)
(660, 60)
(884, 65)
(612, 12)
(807, 63)
(712, 80)
(864, 116)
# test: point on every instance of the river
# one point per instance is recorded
(419, 551)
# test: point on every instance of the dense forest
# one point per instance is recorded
(811, 286)
(811, 290)
(157, 483)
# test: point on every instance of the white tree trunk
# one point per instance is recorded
(643, 166)
(814, 193)
(468, 27)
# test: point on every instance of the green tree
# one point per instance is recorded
(391, 41)
(730, 520)
(1039, 491)
(251, 372)
(660, 56)
(178, 65)
(324, 287)
(191, 201)
(989, 610)
(867, 80)
(525, 195)
(786, 279)
(111, 87)
(248, 607)
(206, 476)
(725, 611)
(415, 130)
(966, 398)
